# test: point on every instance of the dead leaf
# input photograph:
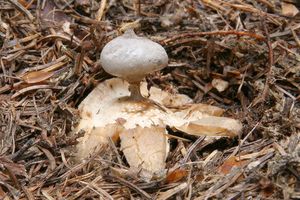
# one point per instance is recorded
(2, 193)
(231, 162)
(23, 2)
(3, 177)
(36, 76)
(219, 84)
(176, 175)
(52, 16)
(51, 159)
(267, 187)
(17, 169)
(289, 10)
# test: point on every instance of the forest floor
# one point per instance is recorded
(49, 62)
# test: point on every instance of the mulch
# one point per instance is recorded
(49, 61)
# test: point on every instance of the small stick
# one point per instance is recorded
(171, 192)
(296, 37)
(22, 9)
(232, 32)
(35, 87)
(101, 10)
(85, 46)
(192, 149)
(241, 142)
(261, 98)
(137, 5)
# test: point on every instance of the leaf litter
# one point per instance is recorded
(46, 72)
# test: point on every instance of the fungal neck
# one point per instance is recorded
(135, 92)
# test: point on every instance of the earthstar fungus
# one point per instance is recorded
(139, 124)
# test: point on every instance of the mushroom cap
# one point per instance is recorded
(131, 57)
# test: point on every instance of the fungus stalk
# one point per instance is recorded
(135, 92)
